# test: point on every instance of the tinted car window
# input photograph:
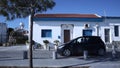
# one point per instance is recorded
(79, 40)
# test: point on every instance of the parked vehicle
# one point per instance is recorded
(93, 44)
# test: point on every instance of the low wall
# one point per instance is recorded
(115, 43)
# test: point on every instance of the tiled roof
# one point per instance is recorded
(67, 16)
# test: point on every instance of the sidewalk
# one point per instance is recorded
(63, 62)
(13, 57)
(21, 47)
(44, 62)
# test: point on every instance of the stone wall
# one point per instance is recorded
(115, 43)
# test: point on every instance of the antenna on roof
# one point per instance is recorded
(105, 16)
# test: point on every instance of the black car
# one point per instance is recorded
(93, 44)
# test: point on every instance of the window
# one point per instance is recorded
(79, 40)
(116, 30)
(87, 32)
(46, 33)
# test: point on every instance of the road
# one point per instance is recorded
(13, 56)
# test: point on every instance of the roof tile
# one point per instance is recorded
(67, 16)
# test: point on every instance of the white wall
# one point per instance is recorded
(110, 23)
(55, 26)
(114, 38)
(37, 32)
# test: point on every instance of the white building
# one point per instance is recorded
(64, 27)
(3, 32)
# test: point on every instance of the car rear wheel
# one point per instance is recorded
(67, 52)
(101, 52)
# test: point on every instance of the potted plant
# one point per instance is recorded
(46, 42)
(27, 44)
(56, 44)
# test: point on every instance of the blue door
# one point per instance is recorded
(87, 32)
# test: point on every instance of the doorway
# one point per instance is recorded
(107, 35)
(66, 36)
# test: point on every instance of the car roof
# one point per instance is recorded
(85, 37)
(89, 36)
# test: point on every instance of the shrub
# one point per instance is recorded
(56, 42)
(46, 42)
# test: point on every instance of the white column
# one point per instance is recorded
(97, 29)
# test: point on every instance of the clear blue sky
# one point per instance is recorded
(100, 7)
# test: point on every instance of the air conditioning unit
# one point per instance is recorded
(86, 25)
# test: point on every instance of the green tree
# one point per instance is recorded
(12, 9)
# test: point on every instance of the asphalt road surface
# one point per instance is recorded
(13, 56)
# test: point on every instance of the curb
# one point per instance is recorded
(41, 67)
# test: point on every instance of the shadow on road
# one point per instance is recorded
(97, 59)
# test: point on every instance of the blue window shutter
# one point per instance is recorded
(87, 32)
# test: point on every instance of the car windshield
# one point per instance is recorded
(71, 41)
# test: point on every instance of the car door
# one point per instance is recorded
(76, 46)
(85, 44)
(90, 45)
(81, 44)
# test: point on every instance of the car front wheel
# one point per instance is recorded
(67, 52)
(101, 52)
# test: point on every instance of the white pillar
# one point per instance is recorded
(85, 54)
(97, 29)
(54, 55)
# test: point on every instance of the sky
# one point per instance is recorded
(100, 7)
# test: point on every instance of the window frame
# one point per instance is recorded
(116, 31)
(85, 32)
(44, 35)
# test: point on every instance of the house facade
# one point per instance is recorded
(65, 27)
